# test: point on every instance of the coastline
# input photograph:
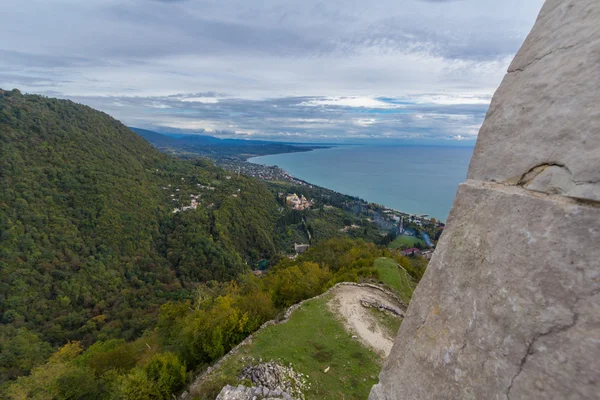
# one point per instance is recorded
(302, 182)
(413, 180)
(295, 180)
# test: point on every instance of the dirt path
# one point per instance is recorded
(359, 320)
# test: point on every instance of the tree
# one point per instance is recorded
(59, 378)
(20, 351)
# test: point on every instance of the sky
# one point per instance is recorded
(385, 71)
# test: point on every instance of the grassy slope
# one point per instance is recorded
(312, 340)
(396, 278)
(406, 242)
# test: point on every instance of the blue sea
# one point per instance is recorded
(412, 179)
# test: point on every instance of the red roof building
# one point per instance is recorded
(411, 252)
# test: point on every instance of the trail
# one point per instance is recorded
(359, 320)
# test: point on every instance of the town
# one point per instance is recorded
(320, 211)
(263, 172)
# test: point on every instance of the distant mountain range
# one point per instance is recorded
(212, 147)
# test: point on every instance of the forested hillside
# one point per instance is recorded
(194, 333)
(124, 271)
(89, 244)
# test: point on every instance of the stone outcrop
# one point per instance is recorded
(374, 303)
(270, 380)
(509, 307)
(288, 313)
(242, 392)
(274, 376)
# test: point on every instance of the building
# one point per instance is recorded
(298, 203)
(411, 252)
(292, 199)
(301, 248)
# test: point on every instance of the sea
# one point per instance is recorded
(411, 179)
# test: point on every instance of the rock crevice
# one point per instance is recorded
(540, 58)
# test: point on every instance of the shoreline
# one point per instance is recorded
(414, 180)
(295, 180)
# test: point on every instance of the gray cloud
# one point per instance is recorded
(302, 119)
(260, 59)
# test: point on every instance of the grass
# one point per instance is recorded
(312, 340)
(389, 273)
(390, 323)
(403, 241)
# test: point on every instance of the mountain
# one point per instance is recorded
(155, 138)
(124, 271)
(90, 245)
(215, 148)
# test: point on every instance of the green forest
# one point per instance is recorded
(191, 334)
(89, 246)
(111, 285)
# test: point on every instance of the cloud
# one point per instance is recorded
(303, 119)
(365, 121)
(454, 99)
(272, 68)
(360, 102)
(205, 100)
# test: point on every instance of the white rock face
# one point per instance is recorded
(547, 110)
(509, 307)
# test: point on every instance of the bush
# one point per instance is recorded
(167, 373)
(102, 357)
(163, 374)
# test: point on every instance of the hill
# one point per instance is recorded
(124, 271)
(90, 246)
(193, 145)
(192, 334)
(333, 344)
(315, 339)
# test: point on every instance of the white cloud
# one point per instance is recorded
(458, 137)
(359, 101)
(159, 106)
(365, 121)
(454, 99)
(204, 100)
(438, 116)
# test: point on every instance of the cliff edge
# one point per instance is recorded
(510, 304)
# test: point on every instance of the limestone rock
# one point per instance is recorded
(242, 392)
(272, 380)
(374, 303)
(276, 377)
(509, 307)
(546, 112)
(510, 291)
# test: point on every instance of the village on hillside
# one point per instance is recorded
(313, 214)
